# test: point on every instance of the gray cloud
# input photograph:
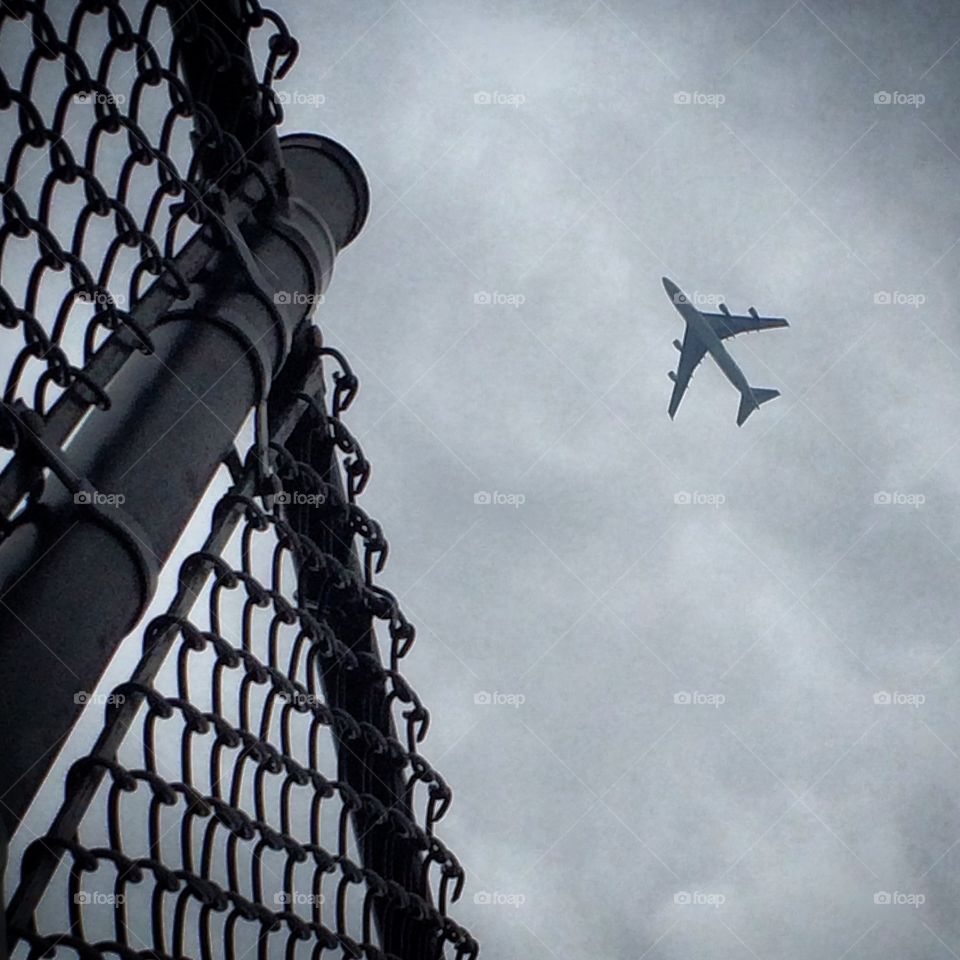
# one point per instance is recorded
(599, 799)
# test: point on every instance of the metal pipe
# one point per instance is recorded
(367, 771)
(78, 572)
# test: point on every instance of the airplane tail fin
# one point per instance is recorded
(751, 401)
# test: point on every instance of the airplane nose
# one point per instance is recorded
(669, 286)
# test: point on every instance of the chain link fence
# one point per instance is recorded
(255, 787)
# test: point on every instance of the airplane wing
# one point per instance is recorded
(691, 353)
(726, 324)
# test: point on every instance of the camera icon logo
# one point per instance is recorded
(882, 698)
(882, 97)
(482, 497)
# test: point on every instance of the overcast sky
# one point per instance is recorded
(782, 598)
(693, 685)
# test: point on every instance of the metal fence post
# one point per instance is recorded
(361, 693)
(125, 486)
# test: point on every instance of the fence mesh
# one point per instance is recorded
(256, 787)
(100, 186)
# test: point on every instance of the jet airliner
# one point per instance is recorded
(705, 332)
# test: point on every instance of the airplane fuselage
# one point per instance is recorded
(705, 332)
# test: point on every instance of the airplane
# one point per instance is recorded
(706, 332)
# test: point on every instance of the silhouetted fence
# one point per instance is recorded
(255, 787)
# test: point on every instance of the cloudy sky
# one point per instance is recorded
(692, 684)
(534, 173)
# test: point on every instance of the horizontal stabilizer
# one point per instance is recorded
(751, 401)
